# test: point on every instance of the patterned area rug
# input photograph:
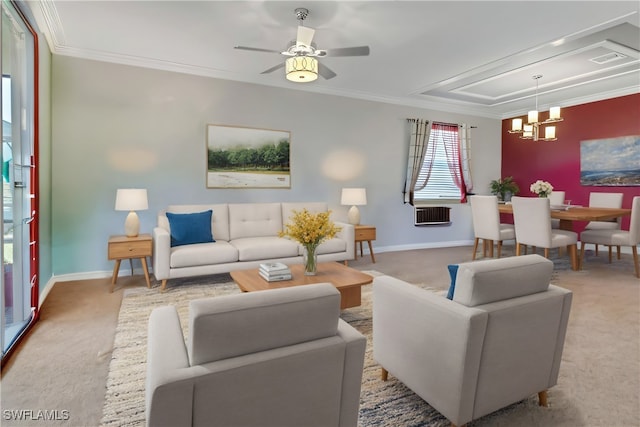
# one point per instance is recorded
(382, 403)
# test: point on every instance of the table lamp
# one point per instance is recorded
(354, 197)
(131, 199)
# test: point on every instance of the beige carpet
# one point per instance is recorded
(64, 361)
(391, 403)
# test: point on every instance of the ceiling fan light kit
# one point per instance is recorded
(301, 69)
(301, 66)
(531, 129)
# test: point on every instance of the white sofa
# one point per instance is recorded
(499, 340)
(245, 234)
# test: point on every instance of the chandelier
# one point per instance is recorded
(531, 129)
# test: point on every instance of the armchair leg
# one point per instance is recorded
(384, 374)
(542, 398)
(634, 249)
(164, 285)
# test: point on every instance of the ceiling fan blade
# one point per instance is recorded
(272, 69)
(305, 36)
(346, 51)
(257, 49)
(325, 71)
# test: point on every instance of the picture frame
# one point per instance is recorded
(245, 157)
(610, 161)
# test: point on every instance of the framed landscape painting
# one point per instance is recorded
(610, 162)
(240, 157)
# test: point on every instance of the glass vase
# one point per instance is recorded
(310, 260)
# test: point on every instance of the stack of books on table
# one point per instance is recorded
(274, 271)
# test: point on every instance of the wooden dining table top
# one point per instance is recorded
(578, 213)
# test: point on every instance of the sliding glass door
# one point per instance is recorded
(19, 294)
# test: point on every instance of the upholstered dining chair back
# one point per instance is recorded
(556, 198)
(605, 200)
(615, 237)
(532, 220)
(486, 223)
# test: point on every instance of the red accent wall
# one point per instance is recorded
(558, 162)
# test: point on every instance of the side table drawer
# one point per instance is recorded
(130, 249)
(365, 234)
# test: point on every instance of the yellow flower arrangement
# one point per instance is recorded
(310, 230)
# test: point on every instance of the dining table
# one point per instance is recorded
(567, 214)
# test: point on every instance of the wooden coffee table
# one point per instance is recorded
(347, 280)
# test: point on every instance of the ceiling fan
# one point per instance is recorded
(301, 64)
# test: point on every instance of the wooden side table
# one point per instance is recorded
(123, 247)
(365, 233)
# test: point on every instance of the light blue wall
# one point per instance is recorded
(117, 126)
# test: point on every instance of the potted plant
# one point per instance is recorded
(504, 188)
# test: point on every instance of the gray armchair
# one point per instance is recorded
(280, 357)
(497, 342)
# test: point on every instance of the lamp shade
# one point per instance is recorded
(301, 69)
(131, 199)
(354, 196)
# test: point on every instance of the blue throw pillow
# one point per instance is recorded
(190, 228)
(453, 273)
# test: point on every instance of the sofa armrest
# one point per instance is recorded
(356, 344)
(348, 234)
(161, 253)
(430, 343)
(168, 388)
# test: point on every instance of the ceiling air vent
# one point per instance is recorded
(609, 57)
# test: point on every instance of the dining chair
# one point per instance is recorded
(556, 198)
(605, 200)
(532, 219)
(486, 225)
(614, 237)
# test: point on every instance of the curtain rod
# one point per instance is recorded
(440, 123)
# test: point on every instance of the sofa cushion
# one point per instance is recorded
(190, 228)
(254, 220)
(257, 248)
(486, 281)
(233, 325)
(219, 252)
(219, 218)
(312, 207)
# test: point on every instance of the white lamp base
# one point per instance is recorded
(132, 225)
(354, 215)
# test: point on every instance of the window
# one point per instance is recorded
(439, 161)
(435, 181)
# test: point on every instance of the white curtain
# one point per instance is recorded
(419, 131)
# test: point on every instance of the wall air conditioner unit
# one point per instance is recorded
(431, 215)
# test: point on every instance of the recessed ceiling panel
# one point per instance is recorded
(610, 57)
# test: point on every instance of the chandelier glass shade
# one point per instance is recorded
(533, 127)
(301, 69)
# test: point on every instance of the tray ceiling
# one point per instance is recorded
(474, 57)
